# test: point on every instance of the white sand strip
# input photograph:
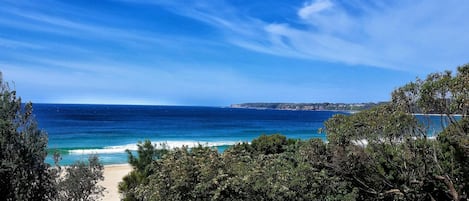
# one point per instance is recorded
(112, 176)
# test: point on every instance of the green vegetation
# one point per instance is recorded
(243, 172)
(23, 173)
(23, 148)
(137, 179)
(80, 181)
(383, 153)
(309, 106)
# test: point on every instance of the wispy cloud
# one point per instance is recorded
(219, 14)
(410, 36)
(14, 44)
(208, 51)
(313, 7)
(69, 25)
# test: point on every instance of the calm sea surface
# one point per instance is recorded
(108, 130)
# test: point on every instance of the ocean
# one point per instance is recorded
(75, 131)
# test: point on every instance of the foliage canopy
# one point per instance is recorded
(385, 153)
(24, 175)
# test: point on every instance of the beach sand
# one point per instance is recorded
(112, 176)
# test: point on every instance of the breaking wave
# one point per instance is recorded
(159, 144)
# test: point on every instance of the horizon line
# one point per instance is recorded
(183, 105)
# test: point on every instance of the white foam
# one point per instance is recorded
(134, 147)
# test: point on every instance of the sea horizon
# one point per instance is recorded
(77, 130)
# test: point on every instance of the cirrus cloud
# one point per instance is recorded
(415, 36)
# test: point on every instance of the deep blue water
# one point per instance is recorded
(108, 130)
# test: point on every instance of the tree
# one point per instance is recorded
(23, 147)
(244, 172)
(270, 144)
(24, 175)
(395, 150)
(447, 95)
(384, 153)
(80, 181)
(146, 154)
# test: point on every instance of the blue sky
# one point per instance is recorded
(222, 52)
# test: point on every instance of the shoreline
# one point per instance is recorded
(443, 115)
(113, 174)
(292, 109)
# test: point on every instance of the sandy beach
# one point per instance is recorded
(112, 176)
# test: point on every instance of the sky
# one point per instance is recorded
(215, 53)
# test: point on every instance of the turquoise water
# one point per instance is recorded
(108, 130)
